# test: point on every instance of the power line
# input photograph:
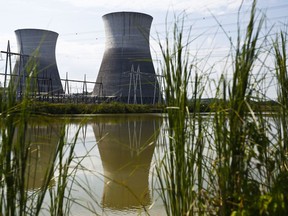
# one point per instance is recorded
(284, 6)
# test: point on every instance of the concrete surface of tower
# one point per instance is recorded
(127, 72)
(37, 48)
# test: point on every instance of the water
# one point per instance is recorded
(114, 156)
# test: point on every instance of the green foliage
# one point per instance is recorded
(237, 163)
(104, 108)
(177, 171)
(231, 161)
(238, 145)
(16, 150)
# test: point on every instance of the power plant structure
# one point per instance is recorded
(36, 60)
(127, 72)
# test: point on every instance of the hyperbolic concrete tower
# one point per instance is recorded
(37, 47)
(127, 70)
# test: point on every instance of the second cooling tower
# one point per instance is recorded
(127, 72)
(37, 55)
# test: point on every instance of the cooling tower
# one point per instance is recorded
(127, 70)
(37, 47)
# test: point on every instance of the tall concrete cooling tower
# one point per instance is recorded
(38, 46)
(127, 72)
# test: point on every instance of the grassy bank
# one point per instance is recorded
(45, 108)
(104, 108)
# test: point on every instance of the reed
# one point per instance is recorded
(238, 164)
(16, 158)
(278, 191)
(237, 130)
(232, 161)
(177, 171)
(14, 153)
(280, 47)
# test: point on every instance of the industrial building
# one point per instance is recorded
(36, 61)
(127, 73)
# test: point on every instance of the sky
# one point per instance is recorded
(81, 42)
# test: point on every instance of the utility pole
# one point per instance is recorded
(84, 85)
(66, 84)
(9, 63)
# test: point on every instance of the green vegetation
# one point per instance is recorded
(19, 161)
(104, 108)
(205, 106)
(176, 170)
(232, 161)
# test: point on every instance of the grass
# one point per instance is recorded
(237, 130)
(177, 170)
(233, 161)
(20, 160)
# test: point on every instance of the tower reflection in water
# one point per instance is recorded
(42, 139)
(126, 146)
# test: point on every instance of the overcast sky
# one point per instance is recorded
(80, 45)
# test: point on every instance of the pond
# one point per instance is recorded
(113, 160)
(112, 166)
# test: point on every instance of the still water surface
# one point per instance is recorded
(114, 156)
